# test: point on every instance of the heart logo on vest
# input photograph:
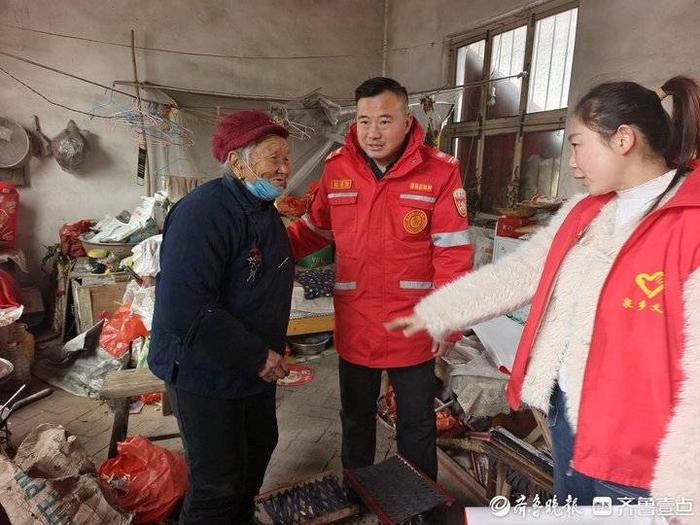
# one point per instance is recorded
(652, 285)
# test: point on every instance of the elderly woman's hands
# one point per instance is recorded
(275, 367)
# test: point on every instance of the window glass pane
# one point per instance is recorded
(507, 58)
(466, 149)
(470, 68)
(552, 56)
(497, 171)
(541, 164)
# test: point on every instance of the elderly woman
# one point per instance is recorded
(222, 307)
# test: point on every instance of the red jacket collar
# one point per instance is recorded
(415, 142)
(688, 193)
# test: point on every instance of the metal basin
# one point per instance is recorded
(312, 344)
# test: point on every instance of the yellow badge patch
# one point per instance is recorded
(415, 221)
(338, 184)
(419, 186)
(652, 285)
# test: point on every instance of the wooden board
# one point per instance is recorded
(311, 325)
(470, 487)
(131, 382)
(90, 301)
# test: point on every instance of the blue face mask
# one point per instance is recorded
(264, 190)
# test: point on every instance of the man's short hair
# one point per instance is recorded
(378, 85)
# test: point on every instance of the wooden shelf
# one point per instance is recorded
(311, 325)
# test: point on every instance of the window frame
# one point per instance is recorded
(521, 123)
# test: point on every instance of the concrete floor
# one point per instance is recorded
(309, 426)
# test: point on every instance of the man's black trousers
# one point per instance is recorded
(415, 388)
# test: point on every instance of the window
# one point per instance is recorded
(507, 60)
(470, 68)
(552, 56)
(507, 129)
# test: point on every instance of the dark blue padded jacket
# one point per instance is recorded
(214, 321)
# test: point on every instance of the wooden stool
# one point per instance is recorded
(118, 387)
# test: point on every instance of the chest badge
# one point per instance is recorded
(419, 186)
(415, 221)
(652, 284)
(341, 184)
(460, 197)
(254, 263)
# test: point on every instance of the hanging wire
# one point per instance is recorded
(401, 49)
(155, 86)
(47, 99)
(70, 75)
(193, 53)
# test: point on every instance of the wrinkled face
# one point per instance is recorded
(269, 160)
(593, 160)
(383, 122)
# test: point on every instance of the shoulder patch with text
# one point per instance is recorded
(460, 197)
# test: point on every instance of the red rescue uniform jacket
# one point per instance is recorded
(396, 239)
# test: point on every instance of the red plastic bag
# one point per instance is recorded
(145, 479)
(150, 399)
(120, 329)
(68, 235)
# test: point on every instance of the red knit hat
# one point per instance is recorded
(240, 129)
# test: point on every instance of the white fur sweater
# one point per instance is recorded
(510, 283)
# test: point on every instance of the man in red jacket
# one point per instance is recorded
(397, 212)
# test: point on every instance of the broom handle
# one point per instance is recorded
(30, 399)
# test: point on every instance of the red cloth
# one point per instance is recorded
(8, 290)
(240, 129)
(633, 372)
(69, 236)
(9, 206)
(396, 239)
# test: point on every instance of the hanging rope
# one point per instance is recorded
(193, 53)
(47, 99)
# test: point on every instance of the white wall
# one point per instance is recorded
(641, 40)
(638, 39)
(229, 27)
(417, 29)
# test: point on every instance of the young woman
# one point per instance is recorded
(611, 349)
